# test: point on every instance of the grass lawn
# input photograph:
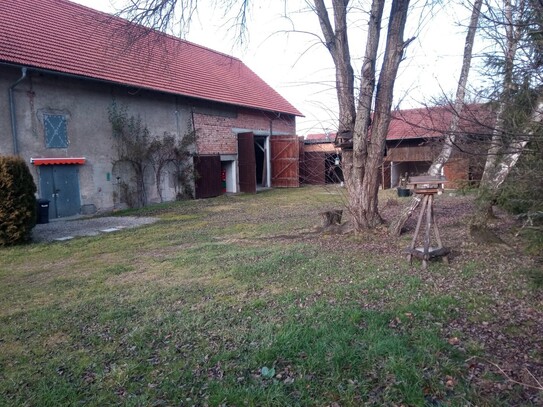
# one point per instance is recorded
(233, 301)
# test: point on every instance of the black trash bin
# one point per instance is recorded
(43, 211)
(403, 192)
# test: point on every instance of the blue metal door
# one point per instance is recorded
(60, 184)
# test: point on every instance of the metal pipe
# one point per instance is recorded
(12, 111)
(268, 155)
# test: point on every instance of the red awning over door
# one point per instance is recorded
(58, 161)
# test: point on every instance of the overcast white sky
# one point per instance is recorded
(301, 70)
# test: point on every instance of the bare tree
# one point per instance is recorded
(131, 143)
(176, 16)
(458, 105)
(170, 151)
(366, 118)
(518, 27)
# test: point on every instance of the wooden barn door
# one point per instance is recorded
(247, 163)
(208, 176)
(285, 161)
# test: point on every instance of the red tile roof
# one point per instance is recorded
(434, 121)
(62, 36)
(428, 122)
(321, 137)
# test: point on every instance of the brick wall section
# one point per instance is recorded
(215, 134)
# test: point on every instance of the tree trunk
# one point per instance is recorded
(395, 227)
(503, 156)
(332, 217)
(356, 170)
(501, 165)
(337, 43)
(361, 164)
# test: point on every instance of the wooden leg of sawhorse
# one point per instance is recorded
(417, 229)
(438, 238)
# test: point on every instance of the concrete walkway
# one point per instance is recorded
(66, 229)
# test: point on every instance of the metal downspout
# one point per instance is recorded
(12, 111)
(269, 158)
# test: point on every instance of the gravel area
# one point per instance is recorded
(59, 230)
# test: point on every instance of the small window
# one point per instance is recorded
(56, 135)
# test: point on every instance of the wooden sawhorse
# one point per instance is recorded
(427, 252)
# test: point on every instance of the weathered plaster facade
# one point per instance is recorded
(85, 105)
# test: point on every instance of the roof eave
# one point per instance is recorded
(294, 112)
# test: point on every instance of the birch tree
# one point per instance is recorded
(521, 27)
(458, 105)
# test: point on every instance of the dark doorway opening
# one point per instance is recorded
(260, 158)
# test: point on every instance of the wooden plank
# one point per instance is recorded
(426, 191)
(427, 179)
(429, 208)
(246, 163)
(417, 229)
(409, 153)
(301, 158)
(419, 221)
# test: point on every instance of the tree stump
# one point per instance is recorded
(332, 217)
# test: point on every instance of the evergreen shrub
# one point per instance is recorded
(17, 201)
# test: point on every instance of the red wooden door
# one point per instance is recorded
(208, 176)
(285, 161)
(247, 163)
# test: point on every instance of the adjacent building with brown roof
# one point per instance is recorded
(414, 139)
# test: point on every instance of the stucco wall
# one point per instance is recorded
(85, 105)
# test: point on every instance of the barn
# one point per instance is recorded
(63, 67)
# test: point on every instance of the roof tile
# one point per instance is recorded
(428, 122)
(62, 36)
